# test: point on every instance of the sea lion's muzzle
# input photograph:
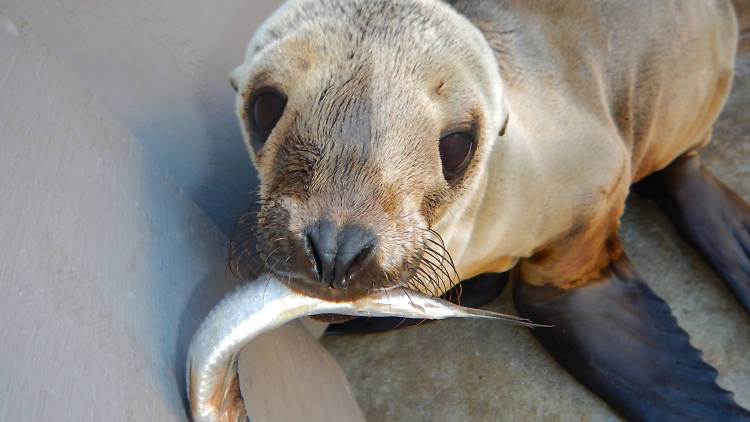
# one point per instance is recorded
(335, 261)
(337, 248)
(337, 255)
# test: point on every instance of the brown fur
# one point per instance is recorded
(570, 103)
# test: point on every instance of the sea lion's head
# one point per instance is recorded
(366, 120)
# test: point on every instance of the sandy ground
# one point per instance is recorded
(461, 370)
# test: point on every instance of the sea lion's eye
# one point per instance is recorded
(266, 110)
(456, 150)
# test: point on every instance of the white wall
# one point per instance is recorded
(161, 67)
(106, 268)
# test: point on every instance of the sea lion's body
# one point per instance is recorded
(600, 94)
(419, 143)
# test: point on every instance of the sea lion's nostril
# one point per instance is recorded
(321, 248)
(336, 254)
(355, 248)
(312, 252)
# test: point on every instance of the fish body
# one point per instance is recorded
(266, 303)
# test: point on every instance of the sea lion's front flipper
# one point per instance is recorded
(473, 293)
(619, 339)
(710, 216)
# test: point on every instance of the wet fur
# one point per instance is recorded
(591, 105)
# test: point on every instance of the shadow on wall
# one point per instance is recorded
(229, 183)
(219, 118)
(226, 190)
(186, 276)
(161, 67)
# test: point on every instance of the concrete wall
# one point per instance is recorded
(106, 267)
(161, 67)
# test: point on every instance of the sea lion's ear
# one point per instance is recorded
(505, 125)
(234, 77)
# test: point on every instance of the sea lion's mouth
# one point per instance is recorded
(427, 269)
(341, 261)
(332, 318)
(410, 275)
(417, 274)
(328, 293)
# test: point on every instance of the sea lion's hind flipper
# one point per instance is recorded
(619, 339)
(715, 220)
(473, 293)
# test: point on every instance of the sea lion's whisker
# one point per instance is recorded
(443, 248)
(411, 301)
(265, 262)
(435, 277)
(441, 260)
(447, 254)
(418, 284)
(386, 289)
(436, 268)
(434, 285)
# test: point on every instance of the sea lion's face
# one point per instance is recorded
(365, 121)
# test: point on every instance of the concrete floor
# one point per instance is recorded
(462, 370)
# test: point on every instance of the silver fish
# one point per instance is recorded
(265, 304)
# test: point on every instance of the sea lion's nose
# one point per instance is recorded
(336, 254)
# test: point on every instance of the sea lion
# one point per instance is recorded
(419, 143)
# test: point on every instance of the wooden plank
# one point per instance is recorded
(106, 267)
(287, 376)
